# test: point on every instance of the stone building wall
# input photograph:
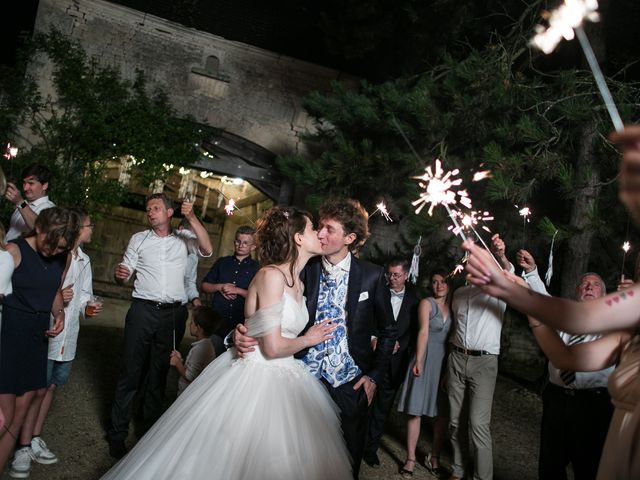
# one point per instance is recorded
(253, 93)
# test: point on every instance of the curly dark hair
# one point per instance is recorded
(275, 232)
(58, 224)
(351, 215)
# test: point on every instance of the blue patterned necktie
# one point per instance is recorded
(331, 359)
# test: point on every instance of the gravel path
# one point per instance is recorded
(75, 428)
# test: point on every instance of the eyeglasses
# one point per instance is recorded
(394, 275)
(90, 225)
(243, 244)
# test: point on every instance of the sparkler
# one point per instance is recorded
(10, 152)
(414, 270)
(481, 175)
(625, 246)
(469, 220)
(439, 189)
(228, 208)
(562, 23)
(459, 268)
(382, 208)
(524, 213)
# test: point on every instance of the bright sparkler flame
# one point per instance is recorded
(228, 208)
(459, 268)
(626, 246)
(481, 175)
(468, 221)
(10, 152)
(439, 187)
(382, 208)
(562, 21)
(524, 212)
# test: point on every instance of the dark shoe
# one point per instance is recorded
(117, 448)
(404, 471)
(372, 460)
(439, 471)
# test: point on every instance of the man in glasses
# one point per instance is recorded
(402, 303)
(228, 281)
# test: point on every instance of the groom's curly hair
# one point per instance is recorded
(275, 233)
(353, 217)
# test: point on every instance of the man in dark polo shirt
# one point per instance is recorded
(228, 281)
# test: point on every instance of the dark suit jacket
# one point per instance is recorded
(406, 324)
(366, 314)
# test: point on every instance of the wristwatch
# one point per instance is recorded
(23, 204)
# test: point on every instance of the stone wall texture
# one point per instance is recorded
(255, 94)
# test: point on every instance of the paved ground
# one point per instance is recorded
(75, 429)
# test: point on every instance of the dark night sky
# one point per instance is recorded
(16, 28)
(291, 28)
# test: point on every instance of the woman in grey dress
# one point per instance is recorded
(422, 383)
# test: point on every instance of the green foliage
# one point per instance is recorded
(91, 116)
(476, 111)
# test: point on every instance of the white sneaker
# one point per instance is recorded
(21, 464)
(41, 453)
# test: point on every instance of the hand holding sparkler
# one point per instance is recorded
(525, 261)
(498, 250)
(186, 209)
(12, 194)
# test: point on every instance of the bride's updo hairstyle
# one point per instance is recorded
(275, 232)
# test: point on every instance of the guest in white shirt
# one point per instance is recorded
(473, 369)
(157, 317)
(35, 185)
(576, 406)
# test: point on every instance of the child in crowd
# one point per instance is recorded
(203, 322)
(228, 281)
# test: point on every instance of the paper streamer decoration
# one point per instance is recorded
(549, 274)
(415, 262)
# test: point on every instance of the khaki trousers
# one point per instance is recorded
(475, 377)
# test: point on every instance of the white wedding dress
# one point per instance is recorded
(246, 418)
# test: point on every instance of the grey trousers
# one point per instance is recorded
(475, 377)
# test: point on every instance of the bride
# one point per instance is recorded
(262, 416)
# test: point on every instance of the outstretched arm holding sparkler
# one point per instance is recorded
(498, 248)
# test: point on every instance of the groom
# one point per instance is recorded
(350, 292)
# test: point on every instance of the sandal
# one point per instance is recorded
(404, 471)
(439, 471)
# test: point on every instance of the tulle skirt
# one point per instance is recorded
(244, 419)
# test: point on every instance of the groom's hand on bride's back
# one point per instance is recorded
(243, 343)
